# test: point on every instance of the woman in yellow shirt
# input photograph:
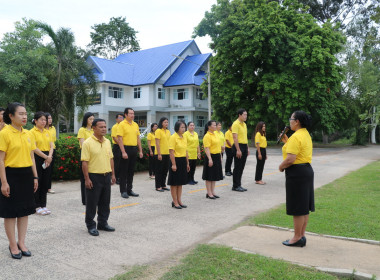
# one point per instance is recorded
(261, 152)
(193, 150)
(53, 135)
(299, 174)
(179, 160)
(19, 178)
(212, 168)
(220, 134)
(83, 133)
(152, 145)
(161, 154)
(43, 157)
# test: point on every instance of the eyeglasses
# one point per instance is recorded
(290, 119)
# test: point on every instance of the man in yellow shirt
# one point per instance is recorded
(240, 149)
(99, 174)
(229, 153)
(128, 134)
(115, 147)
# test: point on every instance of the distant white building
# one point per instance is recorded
(158, 82)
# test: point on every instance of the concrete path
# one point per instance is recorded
(321, 252)
(148, 230)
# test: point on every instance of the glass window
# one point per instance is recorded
(161, 93)
(201, 121)
(115, 92)
(137, 92)
(199, 94)
(180, 118)
(181, 94)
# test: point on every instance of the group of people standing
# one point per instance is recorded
(26, 159)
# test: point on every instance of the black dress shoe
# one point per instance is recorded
(304, 238)
(195, 182)
(244, 189)
(216, 196)
(183, 205)
(160, 190)
(124, 195)
(15, 256)
(237, 189)
(176, 207)
(106, 228)
(25, 253)
(299, 243)
(131, 193)
(191, 183)
(210, 197)
(93, 232)
(165, 188)
(228, 174)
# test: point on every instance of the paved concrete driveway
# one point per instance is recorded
(147, 228)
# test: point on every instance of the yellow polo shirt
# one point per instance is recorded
(17, 146)
(240, 128)
(42, 139)
(221, 137)
(84, 133)
(300, 144)
(152, 138)
(192, 144)
(211, 141)
(164, 137)
(114, 132)
(228, 136)
(98, 154)
(178, 144)
(129, 132)
(53, 135)
(261, 139)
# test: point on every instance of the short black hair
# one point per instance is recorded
(85, 118)
(2, 109)
(161, 121)
(126, 111)
(11, 110)
(178, 125)
(95, 122)
(303, 118)
(152, 125)
(120, 114)
(209, 123)
(241, 111)
(37, 116)
(190, 122)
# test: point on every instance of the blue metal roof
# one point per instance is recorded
(189, 72)
(113, 71)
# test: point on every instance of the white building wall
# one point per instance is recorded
(184, 102)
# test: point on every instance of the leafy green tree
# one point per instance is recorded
(272, 59)
(72, 81)
(114, 38)
(24, 64)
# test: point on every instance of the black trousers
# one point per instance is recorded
(193, 165)
(116, 159)
(239, 164)
(44, 181)
(127, 169)
(260, 164)
(52, 168)
(162, 168)
(152, 163)
(82, 185)
(229, 160)
(98, 197)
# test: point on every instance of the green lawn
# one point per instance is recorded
(217, 262)
(349, 206)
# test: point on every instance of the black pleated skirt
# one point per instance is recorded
(299, 189)
(21, 201)
(215, 172)
(179, 177)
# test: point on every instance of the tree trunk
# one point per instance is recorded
(325, 138)
(373, 125)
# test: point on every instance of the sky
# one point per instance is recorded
(158, 22)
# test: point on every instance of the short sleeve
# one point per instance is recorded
(158, 134)
(120, 130)
(235, 128)
(197, 138)
(257, 137)
(138, 129)
(114, 131)
(33, 145)
(85, 155)
(4, 142)
(206, 141)
(293, 146)
(80, 133)
(172, 142)
(110, 148)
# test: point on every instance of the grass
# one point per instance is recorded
(136, 272)
(219, 262)
(349, 207)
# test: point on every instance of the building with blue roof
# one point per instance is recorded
(158, 82)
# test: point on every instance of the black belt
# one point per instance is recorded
(102, 174)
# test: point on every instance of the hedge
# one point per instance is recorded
(67, 160)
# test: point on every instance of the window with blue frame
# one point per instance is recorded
(161, 93)
(181, 94)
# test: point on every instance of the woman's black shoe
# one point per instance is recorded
(160, 190)
(25, 253)
(165, 188)
(216, 196)
(183, 205)
(177, 207)
(15, 256)
(210, 197)
(299, 243)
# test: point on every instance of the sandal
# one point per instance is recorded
(46, 210)
(41, 211)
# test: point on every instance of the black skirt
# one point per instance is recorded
(21, 201)
(215, 172)
(299, 189)
(179, 177)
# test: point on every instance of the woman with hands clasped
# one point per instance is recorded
(193, 151)
(19, 178)
(179, 160)
(297, 154)
(212, 168)
(261, 153)
(161, 154)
